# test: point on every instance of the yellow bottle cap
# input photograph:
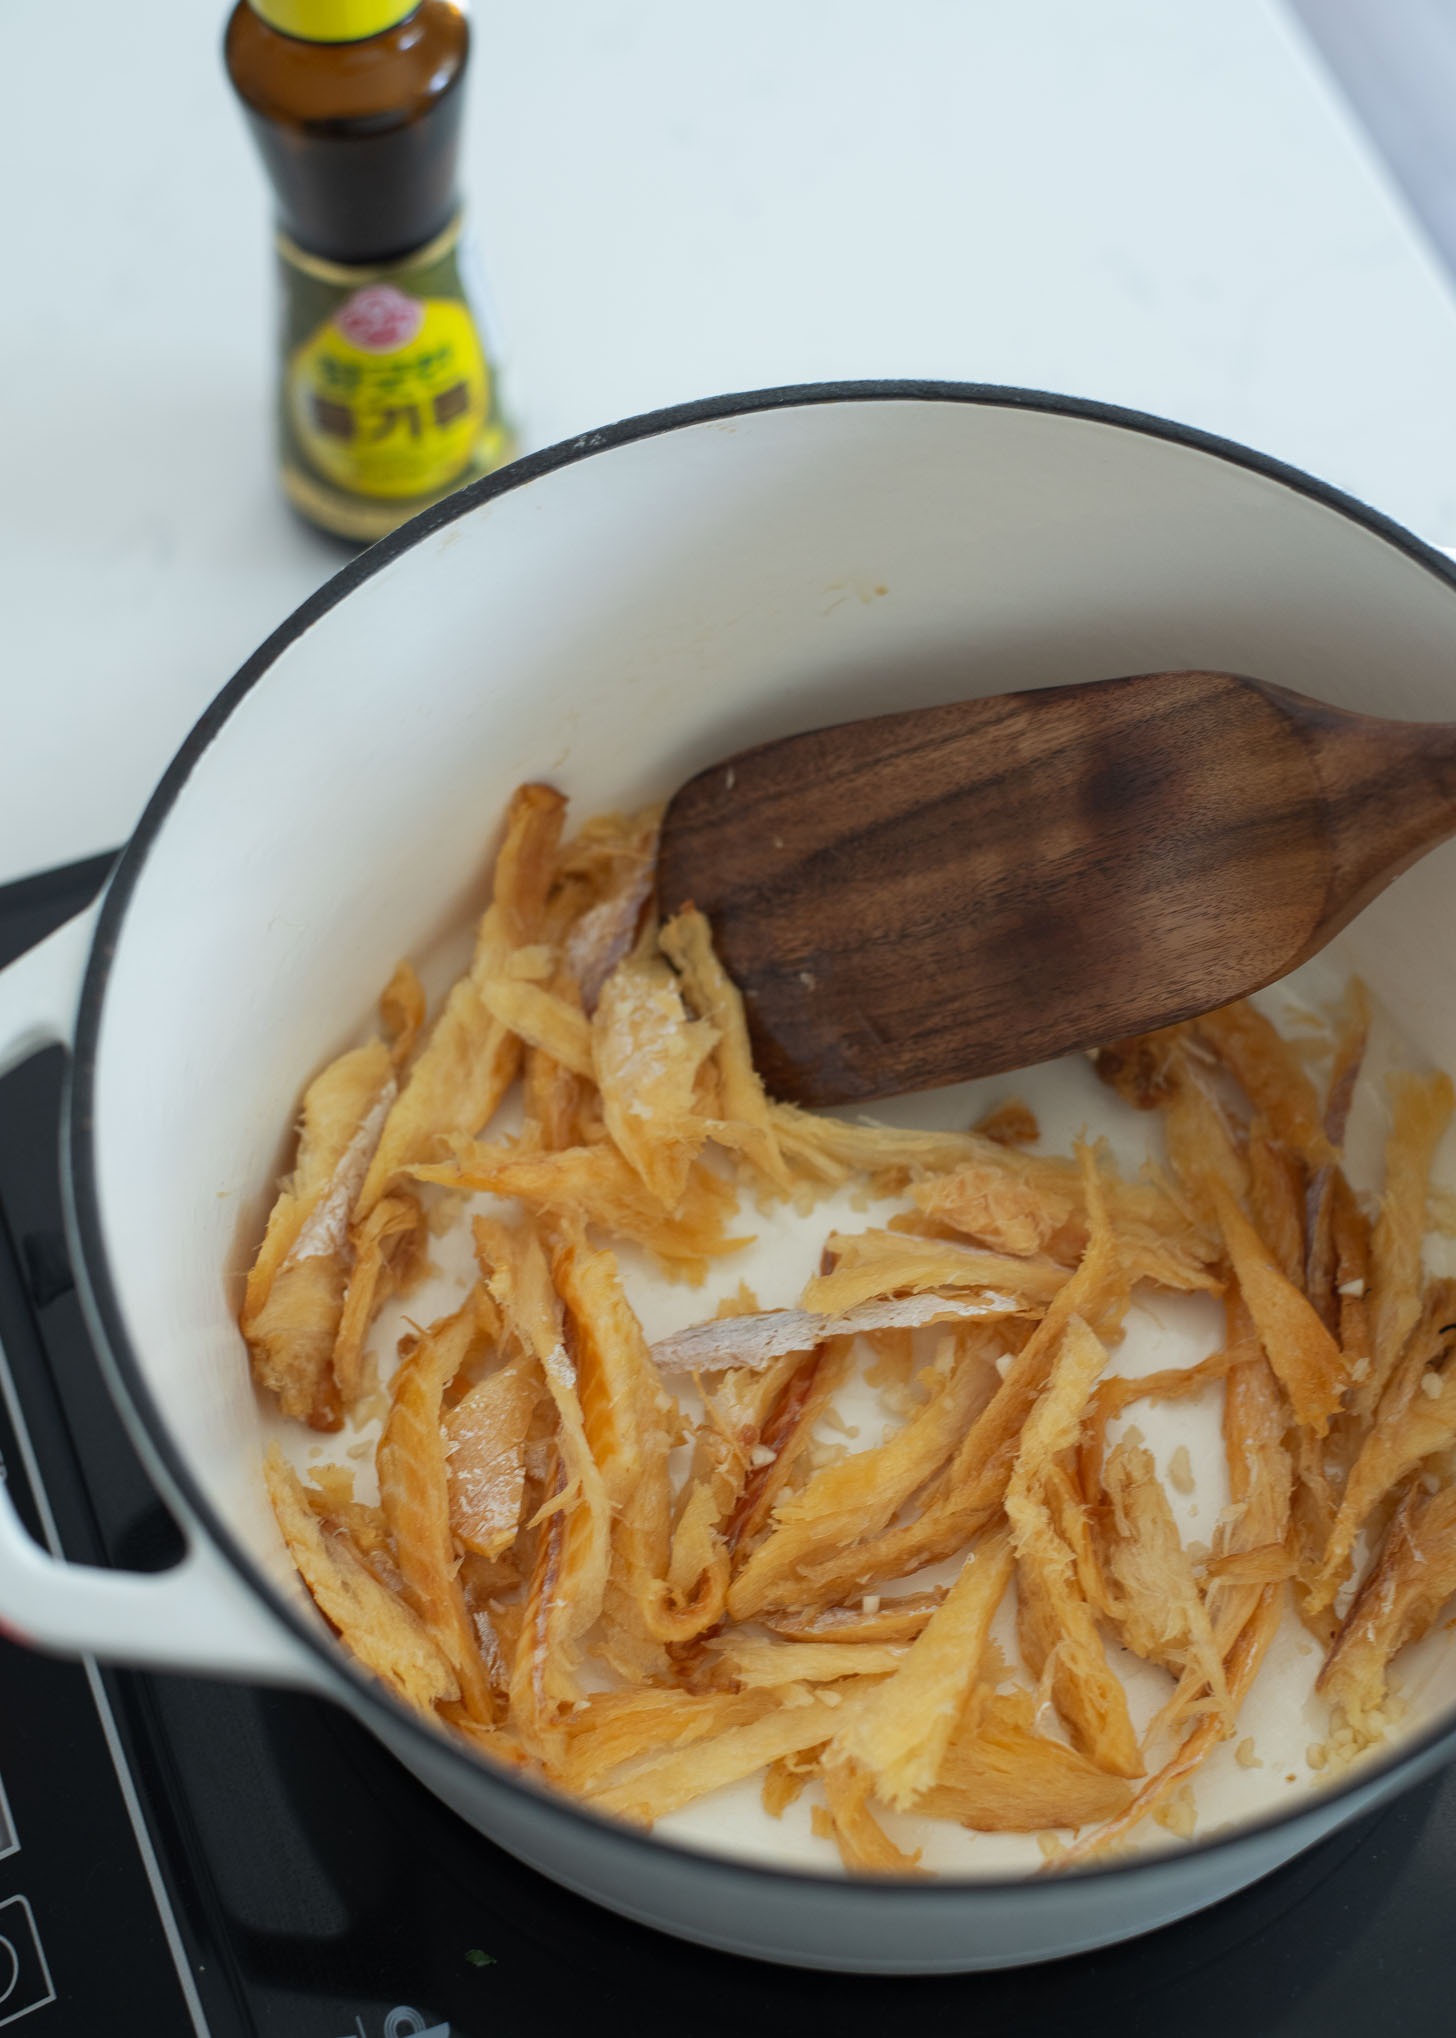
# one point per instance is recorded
(332, 20)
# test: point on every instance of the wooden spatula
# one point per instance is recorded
(929, 896)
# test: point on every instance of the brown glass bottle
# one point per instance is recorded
(360, 139)
(387, 389)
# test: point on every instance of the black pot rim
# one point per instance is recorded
(1372, 1783)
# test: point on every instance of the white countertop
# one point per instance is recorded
(1157, 202)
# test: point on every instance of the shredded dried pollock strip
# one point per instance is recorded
(532, 1540)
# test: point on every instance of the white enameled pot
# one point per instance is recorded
(612, 615)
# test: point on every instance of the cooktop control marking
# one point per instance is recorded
(25, 1979)
(401, 2022)
(9, 1838)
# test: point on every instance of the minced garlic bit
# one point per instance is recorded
(1180, 1470)
(1316, 1755)
(760, 1456)
(870, 1604)
(1431, 1386)
(1179, 1815)
(1245, 1754)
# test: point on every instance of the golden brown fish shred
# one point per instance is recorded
(786, 1437)
(557, 1105)
(386, 1636)
(414, 1493)
(631, 1424)
(1410, 1581)
(1306, 1359)
(688, 944)
(1012, 1123)
(569, 1577)
(758, 1340)
(895, 1617)
(295, 1290)
(1277, 1201)
(873, 1263)
(1350, 1236)
(1157, 1607)
(832, 1149)
(1420, 1113)
(665, 1784)
(1241, 1666)
(594, 1185)
(1269, 1564)
(543, 1671)
(784, 1781)
(1142, 1069)
(1270, 1074)
(1096, 1292)
(865, 1847)
(1113, 1396)
(1261, 1484)
(974, 1484)
(846, 1502)
(899, 1736)
(1055, 1623)
(486, 1434)
(402, 1012)
(330, 1493)
(760, 1661)
(470, 1059)
(1028, 1203)
(1413, 1422)
(1201, 1145)
(727, 1471)
(621, 1730)
(1255, 1422)
(1002, 1205)
(999, 1775)
(1351, 1038)
(1076, 1521)
(388, 1252)
(648, 1055)
(604, 878)
(542, 1018)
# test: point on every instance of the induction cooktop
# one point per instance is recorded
(183, 1856)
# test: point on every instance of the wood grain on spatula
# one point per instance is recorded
(947, 893)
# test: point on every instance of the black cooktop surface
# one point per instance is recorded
(180, 1856)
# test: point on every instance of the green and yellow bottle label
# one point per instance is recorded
(388, 396)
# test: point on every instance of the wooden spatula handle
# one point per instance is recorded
(1389, 792)
(974, 887)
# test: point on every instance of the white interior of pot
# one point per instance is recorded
(612, 627)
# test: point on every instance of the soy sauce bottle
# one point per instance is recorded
(388, 394)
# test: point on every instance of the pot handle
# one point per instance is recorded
(202, 1615)
(39, 991)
